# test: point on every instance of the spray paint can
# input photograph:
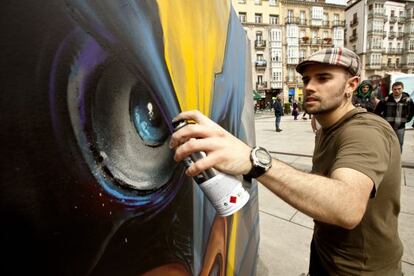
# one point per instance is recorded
(225, 192)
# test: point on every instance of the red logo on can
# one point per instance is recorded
(233, 199)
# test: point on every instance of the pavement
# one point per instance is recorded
(285, 233)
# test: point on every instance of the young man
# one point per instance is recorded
(353, 191)
(397, 109)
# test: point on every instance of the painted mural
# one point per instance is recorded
(87, 93)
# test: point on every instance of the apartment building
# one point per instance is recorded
(284, 32)
(382, 34)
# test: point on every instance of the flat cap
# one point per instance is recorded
(334, 56)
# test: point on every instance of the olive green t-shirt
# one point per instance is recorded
(364, 142)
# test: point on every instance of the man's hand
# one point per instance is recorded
(224, 151)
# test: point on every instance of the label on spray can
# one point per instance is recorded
(226, 193)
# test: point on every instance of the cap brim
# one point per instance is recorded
(301, 66)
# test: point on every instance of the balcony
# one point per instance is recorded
(316, 41)
(391, 34)
(327, 42)
(276, 84)
(292, 20)
(291, 81)
(373, 65)
(353, 22)
(338, 23)
(400, 35)
(401, 19)
(325, 24)
(260, 64)
(395, 51)
(303, 22)
(392, 19)
(260, 44)
(304, 40)
(376, 32)
(378, 13)
(353, 38)
(375, 48)
(261, 85)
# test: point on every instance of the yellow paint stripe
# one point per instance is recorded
(194, 39)
(231, 253)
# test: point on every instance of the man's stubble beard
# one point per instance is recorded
(325, 110)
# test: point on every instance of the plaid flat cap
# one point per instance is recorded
(334, 56)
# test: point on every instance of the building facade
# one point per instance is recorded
(282, 33)
(382, 34)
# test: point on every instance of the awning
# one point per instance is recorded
(256, 96)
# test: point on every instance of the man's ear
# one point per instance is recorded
(353, 83)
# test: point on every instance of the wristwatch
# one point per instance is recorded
(261, 162)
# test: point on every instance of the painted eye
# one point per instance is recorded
(147, 118)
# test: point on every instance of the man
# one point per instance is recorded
(278, 108)
(353, 191)
(397, 109)
(363, 96)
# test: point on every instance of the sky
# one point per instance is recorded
(343, 2)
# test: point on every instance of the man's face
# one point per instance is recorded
(365, 89)
(397, 90)
(324, 88)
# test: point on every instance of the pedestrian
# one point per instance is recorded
(306, 113)
(397, 109)
(295, 111)
(278, 108)
(353, 190)
(364, 97)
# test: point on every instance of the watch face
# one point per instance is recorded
(263, 156)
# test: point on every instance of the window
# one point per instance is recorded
(336, 17)
(258, 18)
(257, 2)
(259, 36)
(259, 79)
(272, 2)
(259, 57)
(275, 35)
(273, 19)
(302, 17)
(290, 14)
(242, 1)
(242, 17)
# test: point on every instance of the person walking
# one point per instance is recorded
(397, 109)
(295, 111)
(278, 108)
(353, 190)
(364, 97)
(304, 115)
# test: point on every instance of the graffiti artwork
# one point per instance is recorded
(88, 182)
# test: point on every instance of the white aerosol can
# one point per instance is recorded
(225, 192)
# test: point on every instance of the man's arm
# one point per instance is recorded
(410, 109)
(340, 200)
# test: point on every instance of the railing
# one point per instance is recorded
(400, 35)
(261, 85)
(373, 65)
(376, 32)
(391, 34)
(352, 38)
(354, 22)
(303, 22)
(260, 43)
(338, 23)
(376, 13)
(291, 20)
(392, 19)
(401, 19)
(260, 64)
(316, 41)
(325, 23)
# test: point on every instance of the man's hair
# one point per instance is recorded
(398, 83)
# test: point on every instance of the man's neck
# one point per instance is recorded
(328, 119)
(397, 99)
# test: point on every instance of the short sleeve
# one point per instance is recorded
(365, 149)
